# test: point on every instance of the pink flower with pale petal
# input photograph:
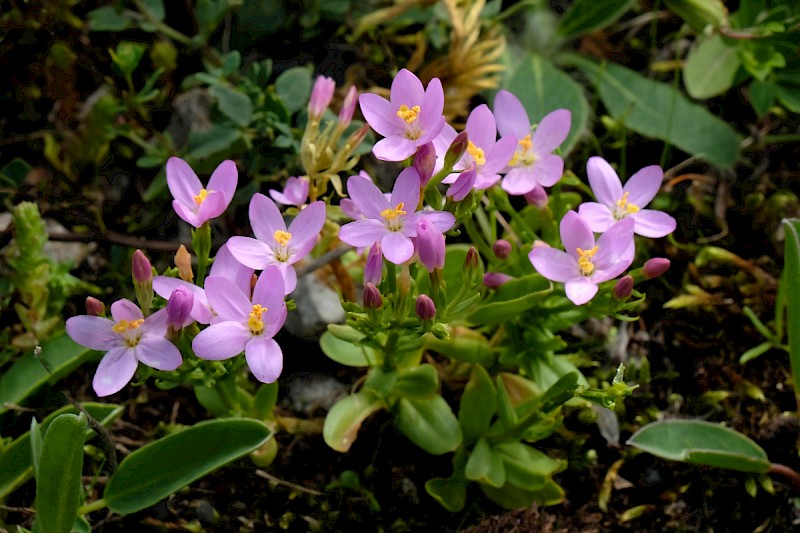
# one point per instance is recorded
(194, 203)
(295, 192)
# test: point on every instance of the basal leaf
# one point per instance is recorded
(450, 492)
(478, 403)
(420, 382)
(430, 424)
(234, 104)
(347, 353)
(294, 88)
(485, 465)
(345, 418)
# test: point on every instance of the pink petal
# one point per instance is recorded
(186, 214)
(164, 285)
(554, 264)
(551, 132)
(441, 220)
(604, 181)
(222, 340)
(362, 232)
(481, 127)
(406, 90)
(158, 353)
(227, 266)
(224, 180)
(430, 130)
(94, 332)
(114, 371)
(265, 219)
(212, 207)
(519, 180)
(269, 290)
(432, 106)
(307, 225)
(264, 358)
(381, 115)
(406, 190)
(274, 319)
(512, 118)
(394, 148)
(547, 170)
(226, 299)
(182, 181)
(125, 309)
(250, 252)
(597, 216)
(614, 251)
(653, 224)
(155, 324)
(498, 155)
(580, 290)
(643, 186)
(367, 197)
(397, 248)
(575, 233)
(289, 275)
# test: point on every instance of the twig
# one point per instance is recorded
(322, 260)
(788, 474)
(270, 477)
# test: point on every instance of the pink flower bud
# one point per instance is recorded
(472, 258)
(321, 96)
(142, 269)
(179, 307)
(463, 184)
(456, 150)
(623, 288)
(501, 249)
(493, 280)
(95, 307)
(537, 197)
(425, 308)
(424, 161)
(430, 245)
(655, 267)
(372, 297)
(348, 107)
(373, 269)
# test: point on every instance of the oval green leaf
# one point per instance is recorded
(430, 424)
(234, 104)
(160, 468)
(702, 443)
(710, 67)
(586, 16)
(418, 382)
(511, 299)
(345, 417)
(294, 87)
(346, 353)
(485, 465)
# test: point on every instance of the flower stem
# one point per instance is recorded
(92, 507)
(201, 241)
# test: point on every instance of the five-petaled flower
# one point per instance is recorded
(616, 202)
(129, 339)
(274, 244)
(391, 221)
(245, 325)
(532, 165)
(585, 262)
(194, 203)
(410, 118)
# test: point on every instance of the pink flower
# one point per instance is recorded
(617, 202)
(193, 203)
(410, 118)
(585, 263)
(244, 325)
(274, 244)
(532, 165)
(321, 96)
(391, 221)
(294, 193)
(128, 339)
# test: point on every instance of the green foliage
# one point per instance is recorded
(586, 16)
(791, 277)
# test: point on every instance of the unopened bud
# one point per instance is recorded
(473, 268)
(357, 136)
(348, 107)
(623, 288)
(373, 269)
(183, 260)
(179, 307)
(424, 162)
(472, 258)
(456, 150)
(95, 307)
(501, 249)
(142, 269)
(425, 308)
(537, 197)
(321, 96)
(655, 267)
(493, 280)
(464, 183)
(372, 297)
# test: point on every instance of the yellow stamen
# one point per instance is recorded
(525, 144)
(477, 154)
(127, 325)
(282, 237)
(626, 208)
(409, 115)
(201, 196)
(394, 212)
(254, 322)
(585, 260)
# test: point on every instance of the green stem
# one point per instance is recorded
(477, 238)
(92, 507)
(201, 241)
(391, 279)
(170, 32)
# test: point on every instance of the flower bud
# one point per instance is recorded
(456, 150)
(623, 288)
(357, 136)
(425, 308)
(463, 184)
(537, 197)
(321, 96)
(348, 107)
(501, 249)
(655, 267)
(372, 297)
(493, 280)
(95, 307)
(430, 245)
(424, 162)
(179, 307)
(472, 260)
(373, 269)
(142, 269)
(473, 268)
(183, 260)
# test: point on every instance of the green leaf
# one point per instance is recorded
(37, 442)
(586, 16)
(789, 97)
(527, 467)
(478, 403)
(160, 468)
(155, 10)
(345, 418)
(762, 94)
(15, 171)
(754, 352)
(542, 88)
(430, 424)
(511, 299)
(703, 443)
(58, 485)
(658, 110)
(418, 382)
(61, 355)
(450, 492)
(204, 144)
(107, 18)
(347, 353)
(791, 273)
(265, 400)
(485, 465)
(127, 55)
(513, 497)
(233, 104)
(294, 88)
(710, 68)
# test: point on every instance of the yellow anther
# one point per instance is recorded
(201, 196)
(408, 114)
(393, 212)
(282, 237)
(523, 152)
(254, 322)
(127, 325)
(585, 260)
(526, 142)
(626, 208)
(477, 154)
